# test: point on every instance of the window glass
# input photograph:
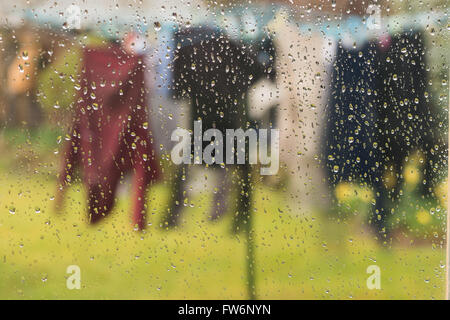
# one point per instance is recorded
(223, 149)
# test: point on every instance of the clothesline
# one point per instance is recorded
(251, 22)
(358, 27)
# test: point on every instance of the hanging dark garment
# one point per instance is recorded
(406, 117)
(351, 146)
(110, 135)
(216, 72)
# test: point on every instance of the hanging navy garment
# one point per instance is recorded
(351, 146)
(407, 119)
(402, 88)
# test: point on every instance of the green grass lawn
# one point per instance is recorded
(297, 257)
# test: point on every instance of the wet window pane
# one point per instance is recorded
(224, 149)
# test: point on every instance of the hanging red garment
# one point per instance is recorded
(110, 134)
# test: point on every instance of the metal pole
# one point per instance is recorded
(447, 286)
(246, 198)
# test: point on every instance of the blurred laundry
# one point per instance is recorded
(303, 65)
(216, 72)
(165, 113)
(22, 108)
(110, 135)
(408, 120)
(379, 114)
(351, 149)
